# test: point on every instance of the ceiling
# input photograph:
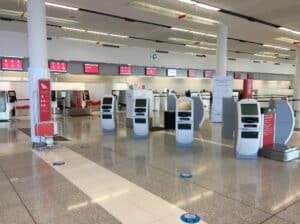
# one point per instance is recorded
(152, 30)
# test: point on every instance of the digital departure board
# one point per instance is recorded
(91, 68)
(12, 64)
(58, 66)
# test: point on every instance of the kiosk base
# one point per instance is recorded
(279, 152)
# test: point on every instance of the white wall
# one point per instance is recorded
(15, 44)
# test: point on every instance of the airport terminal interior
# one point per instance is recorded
(149, 111)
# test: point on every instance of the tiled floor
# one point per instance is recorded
(114, 178)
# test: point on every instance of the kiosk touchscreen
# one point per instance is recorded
(248, 132)
(141, 118)
(108, 113)
(184, 121)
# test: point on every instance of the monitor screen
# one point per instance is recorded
(91, 68)
(184, 106)
(11, 93)
(249, 109)
(107, 100)
(140, 103)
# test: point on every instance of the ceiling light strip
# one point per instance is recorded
(289, 30)
(276, 47)
(193, 32)
(265, 56)
(200, 5)
(61, 6)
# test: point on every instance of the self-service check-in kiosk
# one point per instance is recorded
(108, 113)
(4, 106)
(248, 131)
(141, 118)
(184, 121)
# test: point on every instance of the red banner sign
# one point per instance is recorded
(13, 64)
(248, 88)
(78, 99)
(269, 129)
(45, 99)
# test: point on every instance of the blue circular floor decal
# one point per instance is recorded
(186, 175)
(190, 218)
(59, 163)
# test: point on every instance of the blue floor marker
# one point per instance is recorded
(186, 175)
(190, 218)
(58, 163)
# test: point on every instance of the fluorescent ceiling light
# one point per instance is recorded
(93, 41)
(94, 32)
(200, 5)
(289, 30)
(73, 29)
(199, 47)
(117, 35)
(276, 47)
(265, 56)
(287, 40)
(191, 42)
(171, 13)
(98, 33)
(61, 6)
(193, 32)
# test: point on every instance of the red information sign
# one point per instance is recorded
(248, 88)
(250, 76)
(45, 99)
(78, 99)
(91, 68)
(12, 64)
(58, 66)
(151, 71)
(269, 129)
(125, 70)
(208, 74)
(192, 73)
(237, 75)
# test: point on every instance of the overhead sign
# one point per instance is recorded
(208, 74)
(12, 64)
(91, 68)
(45, 99)
(192, 73)
(171, 72)
(58, 66)
(237, 75)
(151, 71)
(125, 70)
(250, 76)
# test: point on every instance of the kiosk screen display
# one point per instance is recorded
(184, 106)
(140, 103)
(107, 100)
(249, 109)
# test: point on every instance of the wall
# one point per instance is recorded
(15, 44)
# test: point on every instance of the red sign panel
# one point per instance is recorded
(78, 99)
(45, 99)
(250, 76)
(247, 89)
(12, 64)
(91, 68)
(237, 75)
(125, 70)
(151, 71)
(208, 74)
(58, 66)
(44, 129)
(192, 73)
(269, 129)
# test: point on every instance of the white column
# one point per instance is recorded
(222, 50)
(296, 86)
(38, 62)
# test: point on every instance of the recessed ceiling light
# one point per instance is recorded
(198, 47)
(276, 47)
(200, 5)
(289, 30)
(61, 6)
(265, 56)
(171, 13)
(193, 32)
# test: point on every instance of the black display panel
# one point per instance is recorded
(184, 126)
(106, 116)
(140, 103)
(107, 100)
(249, 109)
(140, 120)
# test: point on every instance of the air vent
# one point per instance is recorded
(276, 63)
(201, 55)
(162, 52)
(49, 38)
(109, 45)
(256, 62)
(231, 59)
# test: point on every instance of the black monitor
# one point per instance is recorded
(249, 109)
(107, 100)
(140, 103)
(184, 105)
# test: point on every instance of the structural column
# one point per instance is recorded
(38, 62)
(296, 86)
(222, 50)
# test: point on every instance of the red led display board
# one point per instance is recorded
(58, 66)
(237, 75)
(125, 70)
(91, 68)
(151, 71)
(192, 73)
(208, 74)
(12, 64)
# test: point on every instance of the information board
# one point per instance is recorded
(91, 68)
(58, 66)
(125, 70)
(45, 99)
(268, 128)
(12, 64)
(192, 73)
(151, 71)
